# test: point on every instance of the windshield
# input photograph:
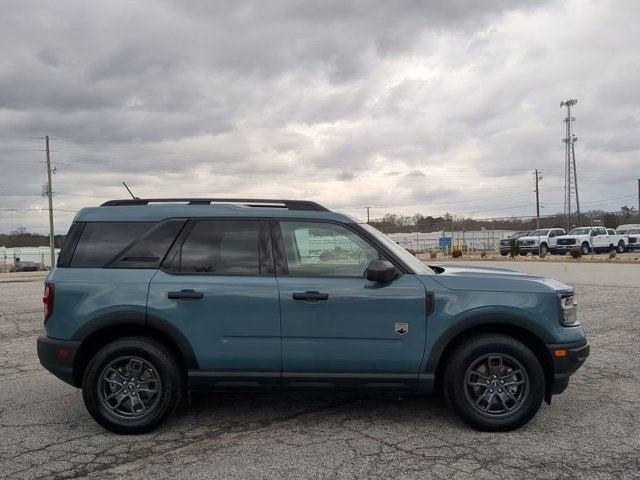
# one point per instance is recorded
(634, 230)
(519, 234)
(416, 265)
(580, 231)
(540, 233)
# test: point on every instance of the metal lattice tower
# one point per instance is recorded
(570, 174)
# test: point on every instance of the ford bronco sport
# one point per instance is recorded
(153, 298)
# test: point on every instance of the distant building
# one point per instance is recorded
(39, 255)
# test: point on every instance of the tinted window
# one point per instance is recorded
(149, 251)
(221, 247)
(70, 241)
(324, 249)
(100, 242)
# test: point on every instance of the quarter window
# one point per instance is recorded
(221, 247)
(100, 242)
(314, 249)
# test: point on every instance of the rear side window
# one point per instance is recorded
(100, 242)
(223, 247)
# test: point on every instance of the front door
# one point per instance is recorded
(601, 238)
(338, 328)
(219, 290)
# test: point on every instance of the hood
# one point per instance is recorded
(531, 238)
(572, 236)
(495, 279)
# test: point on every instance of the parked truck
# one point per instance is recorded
(587, 239)
(540, 241)
(634, 238)
(505, 243)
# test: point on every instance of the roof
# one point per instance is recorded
(160, 209)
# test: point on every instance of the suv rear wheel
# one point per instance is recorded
(132, 385)
(494, 382)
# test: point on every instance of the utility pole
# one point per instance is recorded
(639, 196)
(538, 178)
(368, 208)
(52, 244)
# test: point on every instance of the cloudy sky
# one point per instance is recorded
(415, 106)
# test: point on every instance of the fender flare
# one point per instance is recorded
(478, 320)
(129, 318)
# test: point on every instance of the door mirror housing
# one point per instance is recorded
(381, 271)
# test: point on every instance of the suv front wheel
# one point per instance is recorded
(494, 382)
(132, 385)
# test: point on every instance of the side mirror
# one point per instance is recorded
(381, 271)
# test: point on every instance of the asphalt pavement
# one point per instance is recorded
(591, 431)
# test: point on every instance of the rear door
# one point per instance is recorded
(338, 328)
(217, 287)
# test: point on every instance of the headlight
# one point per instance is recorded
(569, 311)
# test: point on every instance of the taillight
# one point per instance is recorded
(47, 299)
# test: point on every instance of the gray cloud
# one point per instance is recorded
(402, 105)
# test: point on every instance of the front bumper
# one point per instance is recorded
(564, 366)
(57, 356)
(566, 248)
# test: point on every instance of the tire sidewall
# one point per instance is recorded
(168, 372)
(585, 248)
(455, 383)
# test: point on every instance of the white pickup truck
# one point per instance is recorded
(633, 234)
(540, 241)
(586, 239)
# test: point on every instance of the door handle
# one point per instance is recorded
(186, 294)
(310, 296)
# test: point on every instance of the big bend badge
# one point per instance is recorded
(401, 328)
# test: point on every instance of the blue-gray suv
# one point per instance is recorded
(153, 298)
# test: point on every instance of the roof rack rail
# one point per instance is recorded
(249, 202)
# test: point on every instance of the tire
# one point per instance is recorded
(584, 248)
(523, 254)
(525, 399)
(620, 248)
(504, 254)
(543, 250)
(128, 410)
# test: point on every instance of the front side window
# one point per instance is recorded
(315, 249)
(221, 247)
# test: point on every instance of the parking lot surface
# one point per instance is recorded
(591, 431)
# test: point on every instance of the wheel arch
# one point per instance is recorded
(106, 329)
(520, 329)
